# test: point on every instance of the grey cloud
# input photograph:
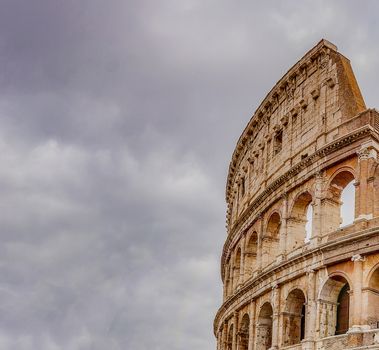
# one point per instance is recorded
(117, 122)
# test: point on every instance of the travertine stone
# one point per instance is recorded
(310, 137)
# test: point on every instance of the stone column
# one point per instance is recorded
(219, 339)
(275, 316)
(224, 345)
(235, 330)
(283, 230)
(364, 198)
(242, 263)
(226, 281)
(317, 209)
(356, 324)
(259, 245)
(311, 312)
(251, 325)
(236, 273)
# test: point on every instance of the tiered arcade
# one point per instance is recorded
(294, 277)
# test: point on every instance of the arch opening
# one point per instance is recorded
(270, 240)
(294, 318)
(244, 333)
(373, 299)
(339, 205)
(264, 328)
(237, 268)
(230, 338)
(334, 307)
(348, 204)
(228, 278)
(300, 221)
(251, 254)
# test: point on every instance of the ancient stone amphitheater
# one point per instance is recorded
(295, 276)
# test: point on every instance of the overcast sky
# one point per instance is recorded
(118, 119)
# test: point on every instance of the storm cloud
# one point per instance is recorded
(117, 123)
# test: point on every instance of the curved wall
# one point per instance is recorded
(293, 277)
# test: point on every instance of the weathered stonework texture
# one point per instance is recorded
(287, 286)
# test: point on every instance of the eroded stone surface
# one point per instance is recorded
(285, 287)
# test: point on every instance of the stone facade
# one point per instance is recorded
(293, 277)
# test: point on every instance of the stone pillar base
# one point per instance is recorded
(307, 344)
(358, 328)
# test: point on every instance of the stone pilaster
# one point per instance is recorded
(242, 263)
(364, 197)
(259, 248)
(235, 330)
(283, 230)
(317, 209)
(252, 307)
(356, 324)
(275, 316)
(311, 312)
(224, 336)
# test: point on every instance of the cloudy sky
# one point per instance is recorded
(117, 122)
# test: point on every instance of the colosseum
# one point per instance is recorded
(296, 275)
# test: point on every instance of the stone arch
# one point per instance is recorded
(244, 333)
(270, 239)
(372, 297)
(334, 299)
(228, 278)
(229, 340)
(251, 253)
(264, 327)
(237, 268)
(294, 317)
(296, 223)
(341, 180)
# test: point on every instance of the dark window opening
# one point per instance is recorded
(278, 142)
(343, 311)
(243, 187)
(302, 323)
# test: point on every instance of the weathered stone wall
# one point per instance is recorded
(286, 286)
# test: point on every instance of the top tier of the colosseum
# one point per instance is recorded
(309, 107)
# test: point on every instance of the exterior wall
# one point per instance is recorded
(309, 139)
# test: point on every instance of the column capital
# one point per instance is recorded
(358, 258)
(368, 150)
(363, 154)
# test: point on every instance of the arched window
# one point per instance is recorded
(348, 204)
(230, 338)
(309, 223)
(373, 300)
(270, 240)
(244, 333)
(264, 328)
(251, 254)
(335, 306)
(343, 301)
(339, 205)
(237, 268)
(294, 318)
(228, 278)
(300, 222)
